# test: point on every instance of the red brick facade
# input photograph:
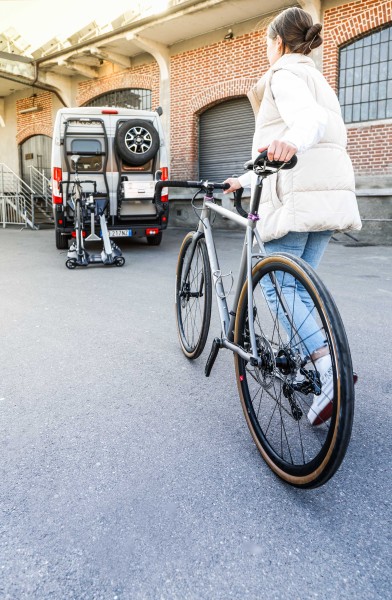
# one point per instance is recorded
(227, 69)
(203, 77)
(144, 77)
(370, 146)
(38, 123)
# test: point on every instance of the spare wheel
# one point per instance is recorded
(137, 141)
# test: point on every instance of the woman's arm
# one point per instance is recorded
(304, 117)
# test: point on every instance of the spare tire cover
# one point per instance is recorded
(137, 141)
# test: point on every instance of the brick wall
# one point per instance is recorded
(226, 69)
(203, 77)
(38, 123)
(370, 149)
(143, 77)
(370, 146)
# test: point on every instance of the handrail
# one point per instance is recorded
(41, 186)
(17, 198)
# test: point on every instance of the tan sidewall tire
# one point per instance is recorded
(304, 481)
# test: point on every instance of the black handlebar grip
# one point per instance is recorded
(186, 184)
(275, 164)
(237, 202)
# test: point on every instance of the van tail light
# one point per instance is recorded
(165, 191)
(109, 111)
(57, 177)
(73, 234)
(152, 231)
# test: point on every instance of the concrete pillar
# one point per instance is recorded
(313, 7)
(161, 54)
(2, 115)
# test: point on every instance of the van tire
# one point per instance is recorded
(137, 142)
(155, 240)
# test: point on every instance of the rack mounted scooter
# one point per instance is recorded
(77, 254)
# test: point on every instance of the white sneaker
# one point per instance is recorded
(321, 409)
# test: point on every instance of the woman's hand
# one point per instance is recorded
(281, 151)
(234, 185)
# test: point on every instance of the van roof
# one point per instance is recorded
(97, 110)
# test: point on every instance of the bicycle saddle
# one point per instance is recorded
(269, 167)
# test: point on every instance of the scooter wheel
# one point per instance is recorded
(71, 263)
(119, 261)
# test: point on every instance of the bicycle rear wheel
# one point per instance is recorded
(277, 397)
(193, 296)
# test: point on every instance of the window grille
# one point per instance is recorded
(129, 98)
(365, 77)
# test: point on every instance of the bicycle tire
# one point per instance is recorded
(193, 302)
(300, 466)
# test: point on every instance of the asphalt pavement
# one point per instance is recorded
(127, 475)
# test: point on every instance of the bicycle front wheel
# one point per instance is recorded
(193, 296)
(293, 315)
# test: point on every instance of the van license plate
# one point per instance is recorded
(120, 233)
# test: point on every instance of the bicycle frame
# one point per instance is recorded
(227, 318)
(204, 228)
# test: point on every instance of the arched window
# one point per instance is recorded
(365, 77)
(128, 98)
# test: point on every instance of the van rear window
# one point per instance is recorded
(90, 152)
(86, 147)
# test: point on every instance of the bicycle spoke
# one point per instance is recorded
(280, 392)
(193, 297)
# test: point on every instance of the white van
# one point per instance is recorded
(122, 155)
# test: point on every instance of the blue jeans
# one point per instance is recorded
(310, 247)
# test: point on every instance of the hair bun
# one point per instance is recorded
(313, 31)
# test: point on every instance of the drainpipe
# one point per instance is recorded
(37, 84)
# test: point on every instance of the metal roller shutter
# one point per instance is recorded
(225, 138)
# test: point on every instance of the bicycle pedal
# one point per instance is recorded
(216, 345)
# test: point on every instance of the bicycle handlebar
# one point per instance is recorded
(203, 184)
(237, 203)
(261, 166)
(270, 165)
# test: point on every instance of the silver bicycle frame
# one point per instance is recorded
(227, 318)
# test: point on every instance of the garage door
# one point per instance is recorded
(226, 133)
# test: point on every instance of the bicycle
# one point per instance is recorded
(276, 377)
(83, 204)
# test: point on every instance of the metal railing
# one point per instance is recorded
(41, 186)
(16, 199)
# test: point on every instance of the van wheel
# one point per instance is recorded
(61, 241)
(137, 141)
(155, 240)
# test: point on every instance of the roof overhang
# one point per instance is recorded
(85, 54)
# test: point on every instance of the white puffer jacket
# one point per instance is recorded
(318, 194)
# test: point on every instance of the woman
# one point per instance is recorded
(300, 208)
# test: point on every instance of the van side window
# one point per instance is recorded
(90, 152)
